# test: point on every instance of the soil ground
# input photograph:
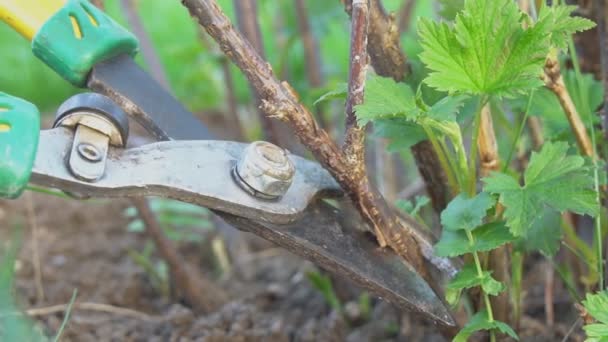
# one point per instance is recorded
(85, 246)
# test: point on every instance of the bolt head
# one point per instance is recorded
(265, 170)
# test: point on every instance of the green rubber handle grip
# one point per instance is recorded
(77, 37)
(19, 132)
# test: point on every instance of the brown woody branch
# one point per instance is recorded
(203, 295)
(555, 82)
(280, 101)
(354, 145)
(388, 60)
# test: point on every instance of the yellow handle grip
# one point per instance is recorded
(28, 16)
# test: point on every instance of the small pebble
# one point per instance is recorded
(352, 311)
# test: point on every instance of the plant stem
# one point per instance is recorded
(446, 163)
(486, 297)
(519, 132)
(473, 154)
(517, 266)
(597, 235)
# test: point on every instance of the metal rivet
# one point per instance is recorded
(89, 152)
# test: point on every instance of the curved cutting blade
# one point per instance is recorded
(321, 235)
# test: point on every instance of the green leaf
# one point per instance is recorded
(324, 285)
(597, 306)
(447, 108)
(487, 51)
(552, 179)
(464, 213)
(401, 133)
(468, 277)
(411, 208)
(385, 99)
(561, 24)
(596, 332)
(480, 322)
(491, 286)
(487, 237)
(545, 234)
(337, 94)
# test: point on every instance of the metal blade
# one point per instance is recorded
(146, 101)
(323, 237)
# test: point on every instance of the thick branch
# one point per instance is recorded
(203, 295)
(388, 60)
(555, 82)
(354, 145)
(280, 101)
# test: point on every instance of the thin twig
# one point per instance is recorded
(536, 132)
(549, 290)
(146, 47)
(247, 20)
(202, 294)
(88, 306)
(314, 69)
(602, 27)
(405, 14)
(33, 221)
(281, 101)
(555, 82)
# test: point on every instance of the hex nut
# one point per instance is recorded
(265, 170)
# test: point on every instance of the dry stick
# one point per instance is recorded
(601, 11)
(88, 306)
(202, 294)
(555, 82)
(189, 280)
(388, 60)
(33, 221)
(145, 44)
(536, 132)
(312, 57)
(247, 20)
(281, 101)
(231, 100)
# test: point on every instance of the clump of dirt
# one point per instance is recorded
(85, 246)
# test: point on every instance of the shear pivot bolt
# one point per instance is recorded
(264, 170)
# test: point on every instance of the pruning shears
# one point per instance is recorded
(257, 187)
